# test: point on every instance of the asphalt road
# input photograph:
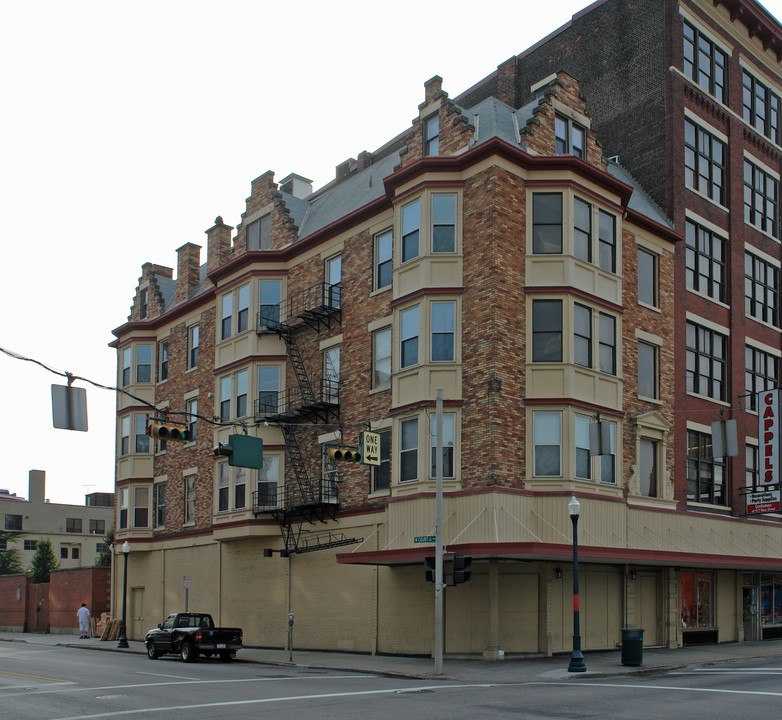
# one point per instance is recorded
(58, 683)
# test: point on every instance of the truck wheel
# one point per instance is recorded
(152, 653)
(225, 657)
(188, 652)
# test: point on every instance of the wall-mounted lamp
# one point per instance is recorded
(558, 573)
(633, 574)
(268, 552)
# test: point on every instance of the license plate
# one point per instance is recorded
(220, 645)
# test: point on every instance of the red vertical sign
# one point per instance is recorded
(768, 436)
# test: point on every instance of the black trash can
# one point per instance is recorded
(632, 646)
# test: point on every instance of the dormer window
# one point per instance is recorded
(259, 233)
(142, 304)
(570, 137)
(432, 135)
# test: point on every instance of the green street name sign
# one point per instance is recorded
(425, 539)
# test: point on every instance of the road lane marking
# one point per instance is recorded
(666, 687)
(176, 677)
(34, 677)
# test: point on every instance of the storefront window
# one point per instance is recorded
(697, 611)
(771, 599)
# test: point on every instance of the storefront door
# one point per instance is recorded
(750, 613)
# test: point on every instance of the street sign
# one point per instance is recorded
(186, 582)
(763, 502)
(369, 447)
(425, 539)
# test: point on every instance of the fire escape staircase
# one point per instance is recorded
(308, 500)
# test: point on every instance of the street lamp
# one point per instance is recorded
(123, 638)
(576, 657)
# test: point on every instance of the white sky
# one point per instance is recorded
(127, 127)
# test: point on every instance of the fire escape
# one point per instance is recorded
(307, 499)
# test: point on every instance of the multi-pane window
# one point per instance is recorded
(449, 435)
(697, 598)
(141, 507)
(607, 241)
(270, 292)
(229, 384)
(241, 393)
(582, 229)
(142, 300)
(443, 223)
(706, 475)
(384, 253)
(381, 358)
(408, 450)
(259, 233)
(192, 418)
(704, 62)
(124, 435)
(582, 335)
(761, 289)
(607, 343)
(443, 319)
(432, 135)
(648, 372)
(160, 504)
(192, 346)
(141, 439)
(706, 362)
(762, 373)
(583, 458)
(608, 459)
(268, 389)
(547, 431)
(332, 358)
(752, 474)
(226, 315)
(223, 486)
(143, 363)
(761, 199)
(75, 552)
(63, 552)
(409, 329)
(32, 545)
(761, 107)
(332, 272)
(647, 278)
(225, 398)
(127, 355)
(411, 227)
(242, 308)
(97, 527)
(704, 162)
(705, 261)
(546, 331)
(547, 223)
(190, 498)
(13, 522)
(268, 481)
(162, 356)
(648, 467)
(570, 137)
(381, 474)
(123, 504)
(240, 488)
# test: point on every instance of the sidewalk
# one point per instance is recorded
(512, 669)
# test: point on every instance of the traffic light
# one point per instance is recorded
(348, 454)
(462, 569)
(167, 431)
(429, 565)
(242, 451)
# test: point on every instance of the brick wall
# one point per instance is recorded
(68, 589)
(13, 602)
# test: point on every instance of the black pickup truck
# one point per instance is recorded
(190, 635)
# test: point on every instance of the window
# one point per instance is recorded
(13, 522)
(443, 318)
(226, 315)
(73, 525)
(381, 474)
(141, 507)
(697, 599)
(241, 393)
(761, 289)
(268, 389)
(124, 504)
(647, 278)
(162, 354)
(761, 107)
(3, 545)
(704, 62)
(243, 308)
(63, 552)
(271, 296)
(333, 273)
(192, 347)
(648, 467)
(225, 398)
(606, 241)
(583, 457)
(443, 223)
(141, 439)
(411, 226)
(97, 527)
(225, 475)
(449, 440)
(408, 451)
(259, 233)
(30, 544)
(75, 553)
(547, 430)
(160, 505)
(268, 482)
(381, 358)
(761, 199)
(570, 137)
(124, 435)
(142, 303)
(432, 135)
(127, 354)
(190, 498)
(706, 475)
(752, 466)
(192, 418)
(100, 548)
(409, 336)
(331, 370)
(607, 343)
(771, 599)
(608, 460)
(384, 253)
(706, 362)
(546, 331)
(223, 486)
(705, 261)
(582, 229)
(648, 374)
(547, 223)
(762, 373)
(240, 488)
(704, 162)
(582, 335)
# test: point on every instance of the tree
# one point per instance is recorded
(44, 561)
(104, 556)
(10, 560)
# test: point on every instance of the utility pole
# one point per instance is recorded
(439, 550)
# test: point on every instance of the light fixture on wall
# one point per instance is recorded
(558, 572)
(633, 574)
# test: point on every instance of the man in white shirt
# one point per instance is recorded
(83, 613)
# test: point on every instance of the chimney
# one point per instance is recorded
(188, 270)
(218, 244)
(296, 185)
(434, 88)
(37, 488)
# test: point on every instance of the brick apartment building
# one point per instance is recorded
(549, 247)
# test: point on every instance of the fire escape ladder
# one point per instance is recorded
(299, 465)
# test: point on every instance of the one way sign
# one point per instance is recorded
(369, 444)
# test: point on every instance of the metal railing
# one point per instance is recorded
(281, 497)
(320, 299)
(273, 404)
